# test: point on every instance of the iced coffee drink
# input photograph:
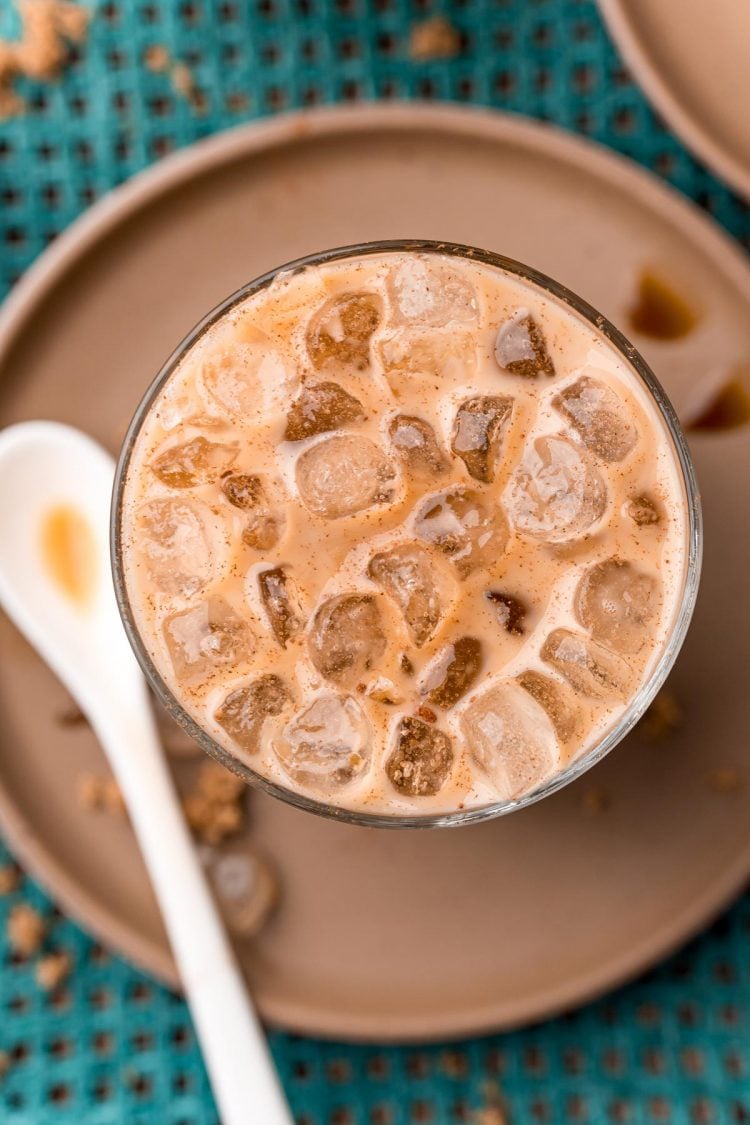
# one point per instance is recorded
(403, 532)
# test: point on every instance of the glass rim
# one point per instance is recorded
(639, 702)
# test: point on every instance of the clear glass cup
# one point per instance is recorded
(640, 701)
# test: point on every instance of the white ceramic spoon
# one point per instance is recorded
(43, 466)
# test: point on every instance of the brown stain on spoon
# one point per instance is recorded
(69, 553)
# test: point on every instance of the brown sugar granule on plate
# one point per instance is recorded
(215, 808)
(25, 930)
(52, 970)
(663, 717)
(95, 794)
(435, 38)
(595, 801)
(725, 779)
(112, 797)
(71, 716)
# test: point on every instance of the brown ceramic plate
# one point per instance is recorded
(690, 56)
(386, 935)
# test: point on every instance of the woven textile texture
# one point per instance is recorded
(111, 1047)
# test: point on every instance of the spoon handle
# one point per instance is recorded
(243, 1076)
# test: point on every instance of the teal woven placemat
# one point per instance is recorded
(112, 1048)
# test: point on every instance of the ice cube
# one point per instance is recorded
(520, 347)
(320, 407)
(246, 492)
(281, 602)
(245, 710)
(470, 530)
(347, 638)
(409, 354)
(552, 696)
(342, 475)
(588, 667)
(425, 291)
(643, 510)
(600, 417)
(238, 378)
(510, 611)
(327, 745)
(205, 638)
(243, 490)
(383, 690)
(478, 432)
(453, 671)
(557, 493)
(193, 462)
(512, 740)
(617, 601)
(174, 538)
(408, 575)
(421, 759)
(262, 530)
(414, 441)
(339, 334)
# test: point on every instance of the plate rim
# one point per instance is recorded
(257, 137)
(622, 26)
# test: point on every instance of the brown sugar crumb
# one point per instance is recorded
(215, 808)
(52, 970)
(100, 794)
(427, 714)
(490, 1115)
(663, 717)
(113, 800)
(10, 877)
(725, 779)
(25, 930)
(157, 58)
(89, 791)
(595, 801)
(435, 38)
(494, 1112)
(48, 27)
(182, 80)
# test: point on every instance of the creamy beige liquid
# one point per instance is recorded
(404, 533)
